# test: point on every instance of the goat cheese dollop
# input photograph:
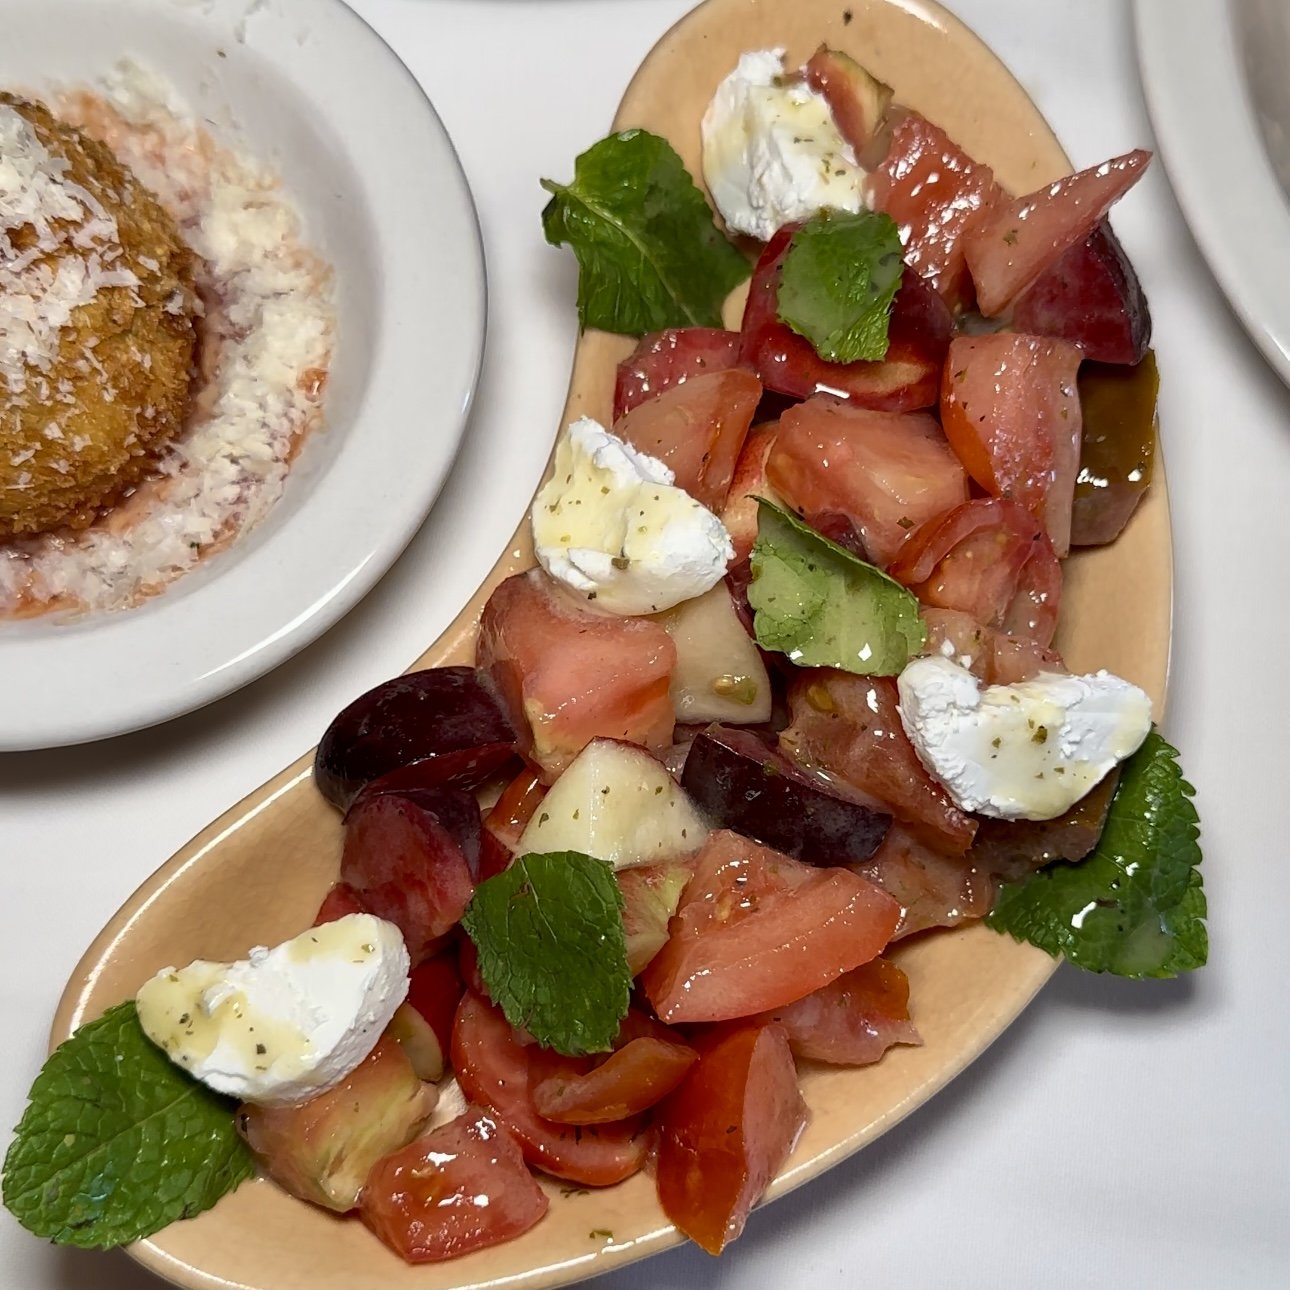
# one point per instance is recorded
(286, 1023)
(1027, 751)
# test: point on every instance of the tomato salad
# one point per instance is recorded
(781, 691)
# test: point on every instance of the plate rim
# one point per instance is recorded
(177, 690)
(1179, 47)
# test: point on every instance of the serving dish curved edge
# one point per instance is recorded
(257, 874)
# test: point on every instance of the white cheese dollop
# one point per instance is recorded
(772, 154)
(287, 1023)
(1027, 751)
(612, 526)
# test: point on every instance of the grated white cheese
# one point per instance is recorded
(37, 299)
(270, 328)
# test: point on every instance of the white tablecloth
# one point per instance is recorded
(1120, 1135)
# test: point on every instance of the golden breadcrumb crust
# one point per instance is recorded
(111, 404)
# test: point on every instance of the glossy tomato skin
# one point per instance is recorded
(1017, 240)
(493, 1068)
(990, 559)
(756, 929)
(850, 727)
(934, 889)
(506, 821)
(636, 1076)
(697, 430)
(851, 1021)
(905, 380)
(435, 988)
(340, 901)
(886, 472)
(570, 675)
(936, 193)
(996, 657)
(727, 1131)
(739, 514)
(665, 359)
(462, 1187)
(1010, 408)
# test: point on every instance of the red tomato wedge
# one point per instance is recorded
(851, 1021)
(850, 726)
(340, 901)
(739, 514)
(582, 1090)
(859, 102)
(571, 675)
(998, 658)
(1010, 408)
(697, 429)
(492, 1067)
(918, 335)
(468, 967)
(1017, 240)
(726, 1132)
(434, 989)
(886, 472)
(988, 558)
(506, 821)
(664, 359)
(756, 929)
(462, 1187)
(935, 192)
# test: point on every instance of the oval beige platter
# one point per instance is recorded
(257, 874)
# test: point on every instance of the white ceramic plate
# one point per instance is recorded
(1214, 72)
(308, 87)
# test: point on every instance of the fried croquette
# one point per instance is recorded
(98, 316)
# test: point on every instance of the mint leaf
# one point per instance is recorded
(822, 606)
(837, 283)
(552, 951)
(649, 255)
(1135, 905)
(117, 1142)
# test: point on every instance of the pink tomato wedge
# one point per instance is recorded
(935, 192)
(991, 559)
(571, 675)
(697, 429)
(851, 1021)
(1018, 240)
(998, 658)
(1010, 408)
(934, 889)
(886, 472)
(739, 514)
(756, 929)
(664, 359)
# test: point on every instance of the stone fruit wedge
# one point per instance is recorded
(218, 896)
